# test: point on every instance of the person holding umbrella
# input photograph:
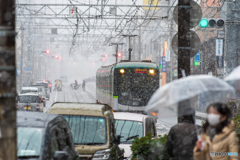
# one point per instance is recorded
(183, 136)
(218, 140)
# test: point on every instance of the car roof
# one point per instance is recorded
(91, 109)
(29, 88)
(38, 85)
(129, 116)
(29, 94)
(38, 82)
(34, 119)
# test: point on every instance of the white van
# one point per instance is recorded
(29, 102)
(41, 91)
(132, 125)
(29, 90)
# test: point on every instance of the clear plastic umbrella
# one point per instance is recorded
(234, 78)
(186, 95)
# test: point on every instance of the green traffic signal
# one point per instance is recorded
(196, 63)
(203, 23)
(160, 66)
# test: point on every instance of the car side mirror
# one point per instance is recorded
(60, 155)
(117, 139)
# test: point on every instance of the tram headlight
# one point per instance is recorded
(151, 71)
(122, 71)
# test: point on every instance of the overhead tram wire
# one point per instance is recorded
(131, 21)
(135, 15)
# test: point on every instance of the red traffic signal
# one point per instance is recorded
(119, 54)
(56, 57)
(105, 55)
(47, 52)
(103, 60)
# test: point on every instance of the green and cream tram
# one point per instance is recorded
(127, 86)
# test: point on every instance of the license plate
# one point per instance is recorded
(27, 107)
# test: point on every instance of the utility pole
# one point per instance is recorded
(140, 44)
(7, 81)
(116, 49)
(130, 48)
(22, 55)
(186, 43)
(232, 34)
(184, 46)
(171, 36)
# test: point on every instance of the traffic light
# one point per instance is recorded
(103, 60)
(105, 55)
(60, 58)
(47, 52)
(56, 57)
(212, 23)
(203, 23)
(119, 54)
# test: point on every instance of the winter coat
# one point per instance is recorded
(181, 141)
(227, 141)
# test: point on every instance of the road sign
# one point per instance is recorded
(220, 62)
(194, 41)
(197, 57)
(164, 64)
(219, 47)
(195, 12)
(220, 34)
(54, 30)
(160, 63)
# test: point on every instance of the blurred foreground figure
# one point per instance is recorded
(183, 136)
(219, 139)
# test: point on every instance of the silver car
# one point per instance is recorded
(29, 102)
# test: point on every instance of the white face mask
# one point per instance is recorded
(213, 119)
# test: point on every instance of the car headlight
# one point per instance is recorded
(103, 154)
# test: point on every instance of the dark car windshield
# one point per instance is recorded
(43, 84)
(29, 141)
(127, 128)
(28, 99)
(29, 91)
(87, 130)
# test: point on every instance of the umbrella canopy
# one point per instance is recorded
(234, 78)
(186, 95)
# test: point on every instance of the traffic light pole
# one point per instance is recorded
(8, 147)
(184, 46)
(117, 49)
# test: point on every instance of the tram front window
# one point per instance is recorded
(135, 89)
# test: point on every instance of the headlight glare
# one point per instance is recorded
(122, 71)
(151, 71)
(103, 154)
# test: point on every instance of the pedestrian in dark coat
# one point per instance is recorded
(183, 136)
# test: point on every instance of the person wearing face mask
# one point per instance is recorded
(218, 138)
